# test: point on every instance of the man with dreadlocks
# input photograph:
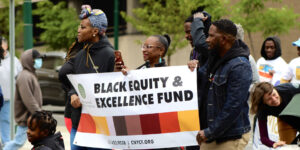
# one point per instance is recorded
(41, 132)
(97, 56)
(223, 84)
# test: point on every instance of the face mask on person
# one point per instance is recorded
(38, 62)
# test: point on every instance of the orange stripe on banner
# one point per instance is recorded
(169, 122)
(189, 120)
(264, 74)
(101, 125)
(86, 124)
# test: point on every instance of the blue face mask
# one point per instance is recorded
(38, 62)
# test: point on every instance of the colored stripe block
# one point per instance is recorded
(133, 125)
(169, 122)
(110, 123)
(150, 124)
(86, 124)
(266, 75)
(120, 125)
(101, 125)
(189, 120)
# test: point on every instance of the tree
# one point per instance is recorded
(254, 17)
(59, 22)
(4, 21)
(167, 16)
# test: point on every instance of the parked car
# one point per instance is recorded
(52, 90)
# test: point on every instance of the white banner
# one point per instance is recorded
(148, 108)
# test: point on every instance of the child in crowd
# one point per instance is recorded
(41, 132)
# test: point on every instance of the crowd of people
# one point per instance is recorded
(227, 77)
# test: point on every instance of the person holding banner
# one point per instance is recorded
(154, 49)
(63, 71)
(223, 84)
(269, 100)
(97, 56)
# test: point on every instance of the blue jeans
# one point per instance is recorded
(75, 147)
(19, 140)
(5, 122)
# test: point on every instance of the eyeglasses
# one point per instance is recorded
(149, 46)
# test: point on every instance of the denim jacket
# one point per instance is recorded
(226, 102)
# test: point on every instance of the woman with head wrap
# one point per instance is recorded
(154, 49)
(97, 56)
(62, 76)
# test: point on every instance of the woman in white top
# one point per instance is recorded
(271, 66)
(292, 73)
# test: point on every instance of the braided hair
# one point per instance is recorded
(44, 121)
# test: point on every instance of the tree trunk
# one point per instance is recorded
(169, 60)
(251, 44)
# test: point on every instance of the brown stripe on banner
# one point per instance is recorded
(133, 125)
(120, 125)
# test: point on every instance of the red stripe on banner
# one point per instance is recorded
(86, 124)
(150, 124)
(169, 122)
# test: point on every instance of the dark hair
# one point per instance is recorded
(257, 95)
(74, 49)
(277, 45)
(226, 26)
(189, 19)
(1, 50)
(44, 121)
(198, 9)
(165, 40)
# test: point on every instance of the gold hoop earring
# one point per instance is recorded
(94, 35)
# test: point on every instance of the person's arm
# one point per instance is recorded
(238, 83)
(264, 136)
(74, 98)
(25, 89)
(197, 32)
(111, 63)
(287, 75)
(18, 67)
(71, 91)
(263, 132)
(255, 76)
